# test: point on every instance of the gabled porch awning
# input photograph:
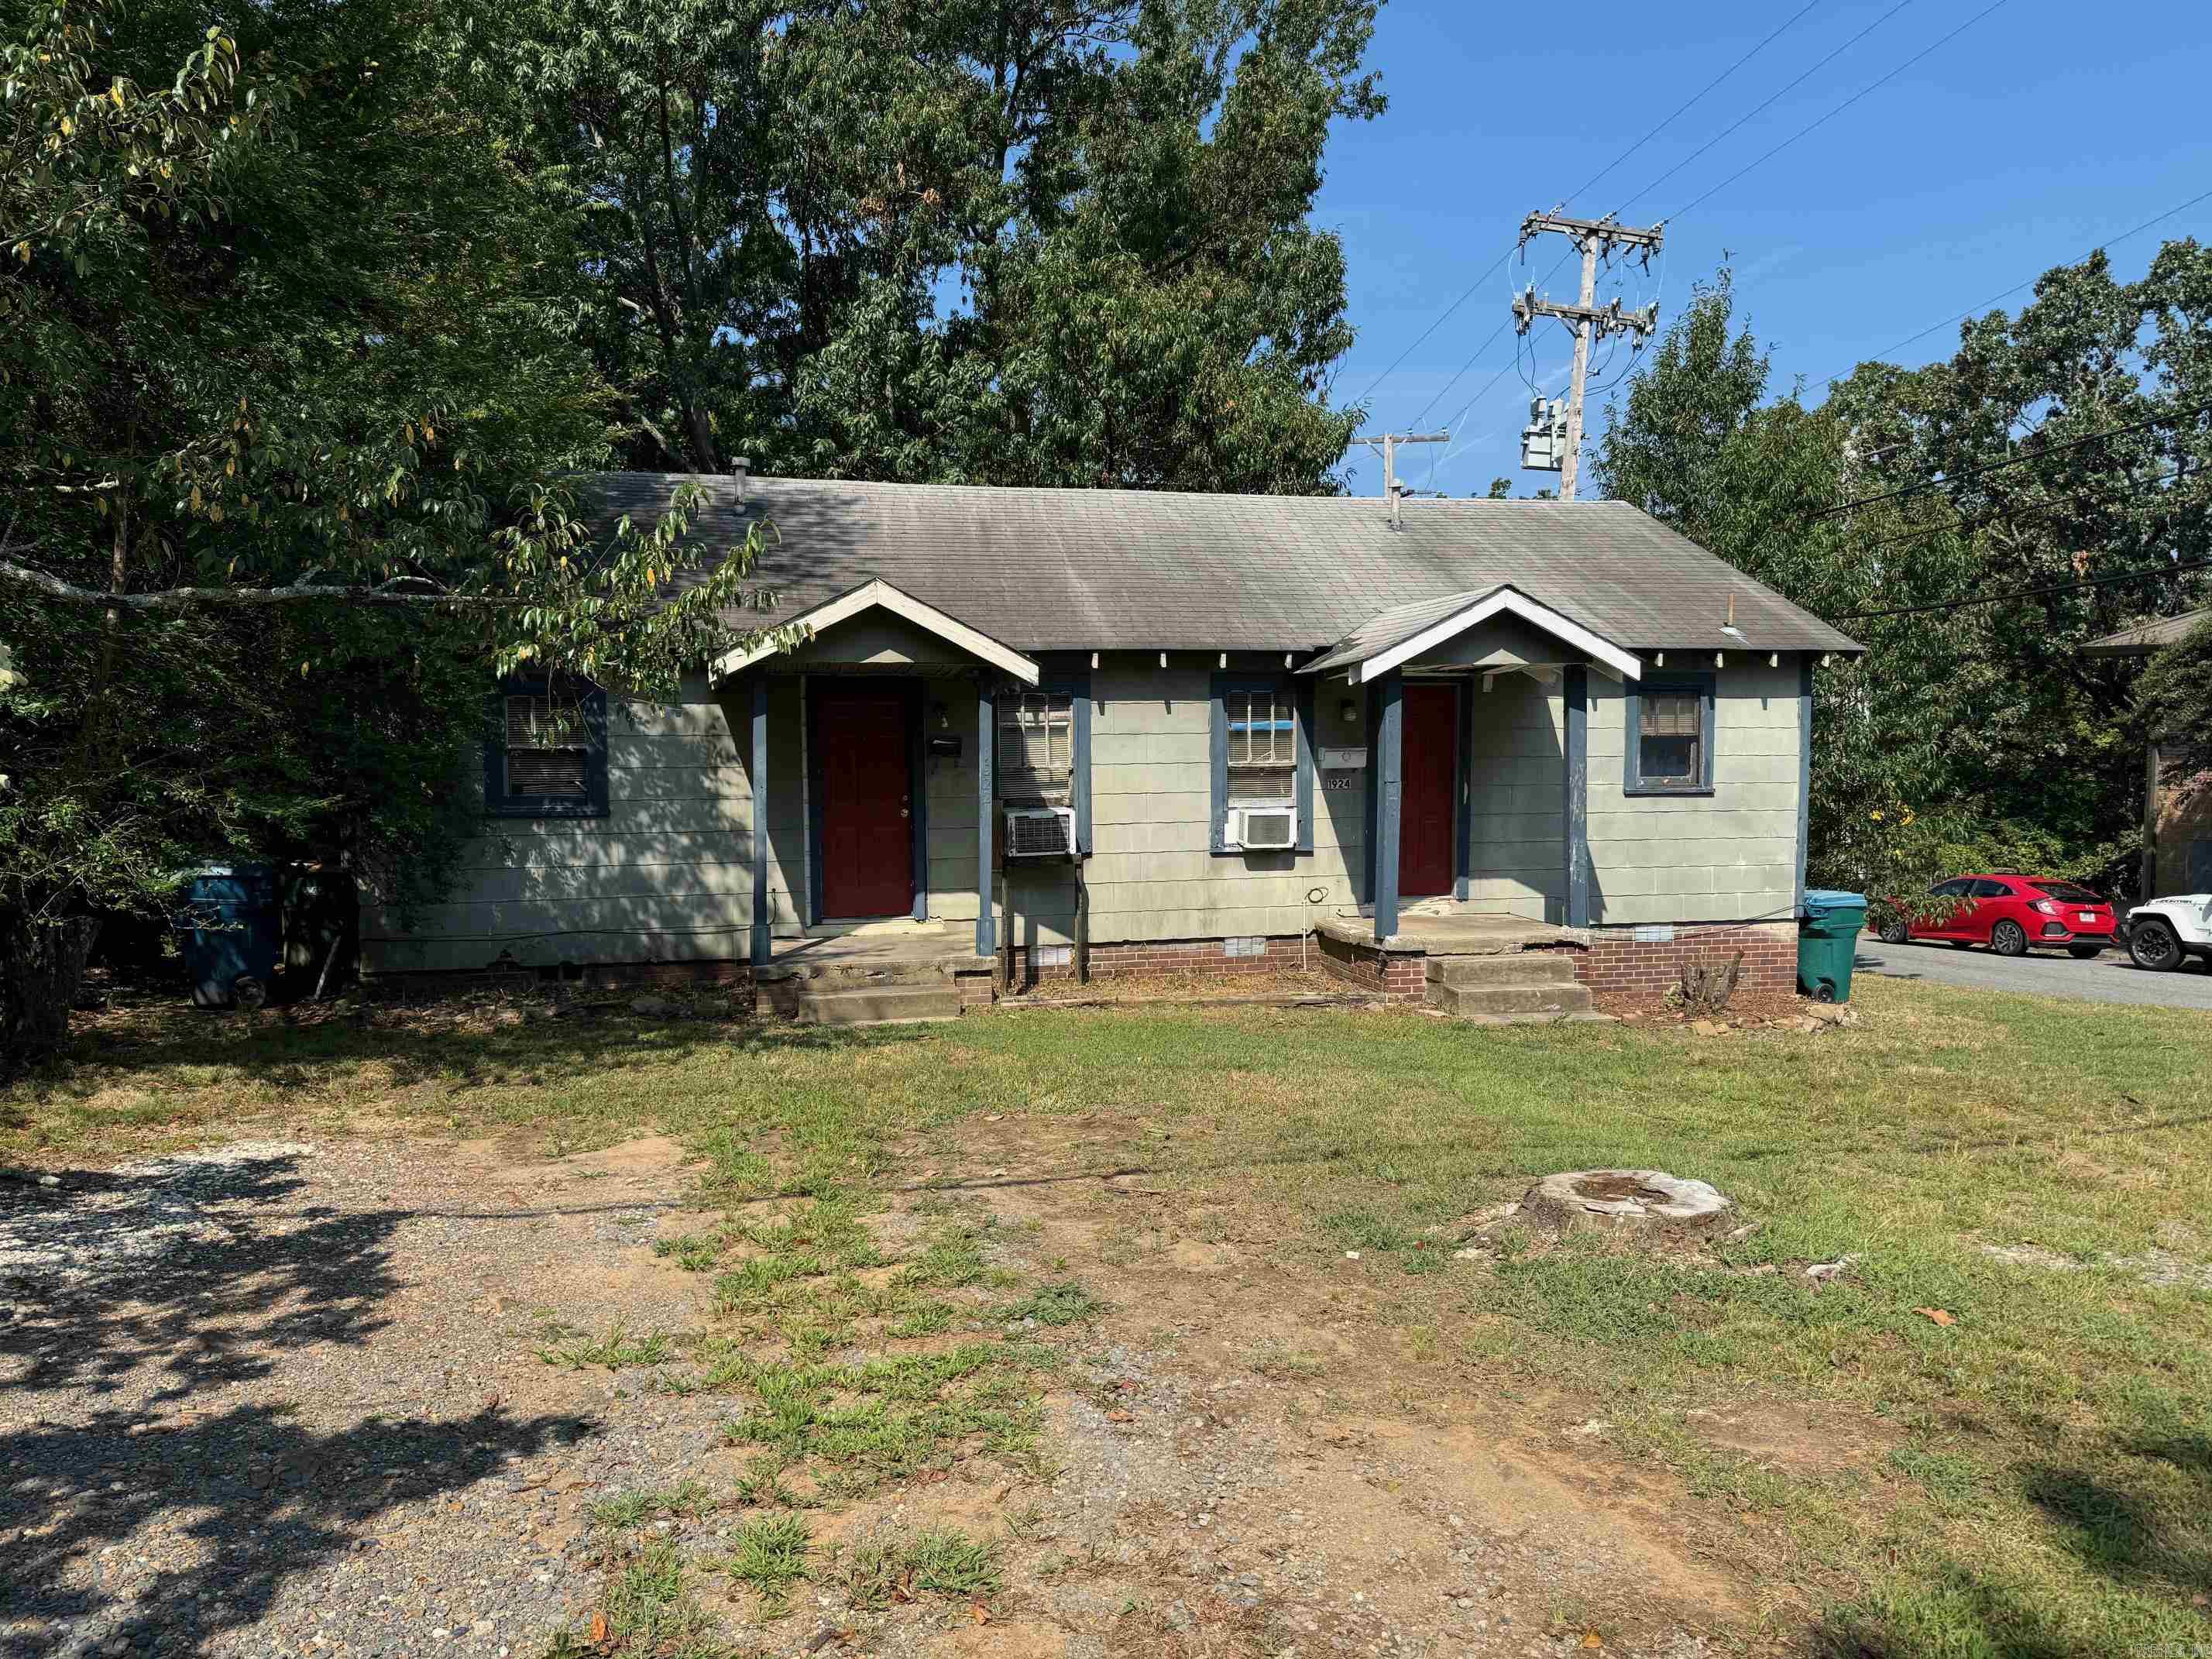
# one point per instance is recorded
(1406, 633)
(880, 595)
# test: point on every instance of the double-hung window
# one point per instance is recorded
(1043, 748)
(1262, 765)
(1263, 748)
(1670, 737)
(546, 754)
(1036, 748)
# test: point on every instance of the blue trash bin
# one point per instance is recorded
(233, 934)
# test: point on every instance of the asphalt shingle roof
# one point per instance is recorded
(1115, 569)
(2146, 637)
(1387, 627)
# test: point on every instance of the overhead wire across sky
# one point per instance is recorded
(1587, 184)
(1697, 201)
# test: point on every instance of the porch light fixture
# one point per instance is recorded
(943, 715)
(1348, 712)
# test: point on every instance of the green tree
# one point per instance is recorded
(1008, 241)
(287, 391)
(2173, 707)
(2057, 445)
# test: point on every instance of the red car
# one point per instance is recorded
(2013, 915)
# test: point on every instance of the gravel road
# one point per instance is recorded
(284, 1399)
(2110, 978)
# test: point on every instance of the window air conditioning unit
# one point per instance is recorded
(1041, 832)
(1264, 829)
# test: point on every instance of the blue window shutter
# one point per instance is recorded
(1221, 763)
(595, 759)
(495, 749)
(1076, 687)
(1305, 697)
(1080, 770)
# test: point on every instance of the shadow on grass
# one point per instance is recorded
(150, 1047)
(2123, 1536)
(169, 1288)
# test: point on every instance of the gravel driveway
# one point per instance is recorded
(290, 1400)
(2110, 978)
(248, 1405)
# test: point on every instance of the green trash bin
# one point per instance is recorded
(1827, 939)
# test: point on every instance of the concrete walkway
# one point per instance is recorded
(2110, 978)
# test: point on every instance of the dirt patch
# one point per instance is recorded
(1215, 1457)
(1796, 1438)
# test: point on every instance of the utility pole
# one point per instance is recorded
(1387, 442)
(1588, 320)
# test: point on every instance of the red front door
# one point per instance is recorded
(1428, 804)
(867, 769)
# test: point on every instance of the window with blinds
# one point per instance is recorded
(1036, 747)
(1670, 748)
(547, 749)
(1263, 748)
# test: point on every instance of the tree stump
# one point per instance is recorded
(1624, 1200)
(1706, 986)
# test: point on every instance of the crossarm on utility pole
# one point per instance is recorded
(1387, 443)
(1589, 321)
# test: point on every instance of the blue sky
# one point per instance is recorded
(2043, 129)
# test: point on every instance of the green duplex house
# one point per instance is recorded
(1041, 731)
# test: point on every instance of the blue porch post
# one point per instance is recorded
(1574, 807)
(987, 935)
(762, 930)
(1389, 729)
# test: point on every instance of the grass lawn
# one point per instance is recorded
(2043, 1485)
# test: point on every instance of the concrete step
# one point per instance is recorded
(1507, 967)
(1588, 1016)
(807, 1003)
(830, 973)
(1552, 1000)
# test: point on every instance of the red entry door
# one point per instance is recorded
(1428, 803)
(867, 769)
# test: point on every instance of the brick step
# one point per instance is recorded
(806, 1002)
(1511, 968)
(1551, 1000)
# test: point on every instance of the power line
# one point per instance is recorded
(1681, 108)
(1767, 102)
(1486, 339)
(2021, 512)
(1870, 87)
(2047, 451)
(1496, 265)
(2024, 593)
(2087, 252)
(1444, 315)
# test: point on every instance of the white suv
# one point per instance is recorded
(2166, 932)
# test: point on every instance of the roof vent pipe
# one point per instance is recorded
(739, 466)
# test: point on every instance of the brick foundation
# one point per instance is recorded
(1618, 965)
(1398, 975)
(589, 976)
(1159, 958)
